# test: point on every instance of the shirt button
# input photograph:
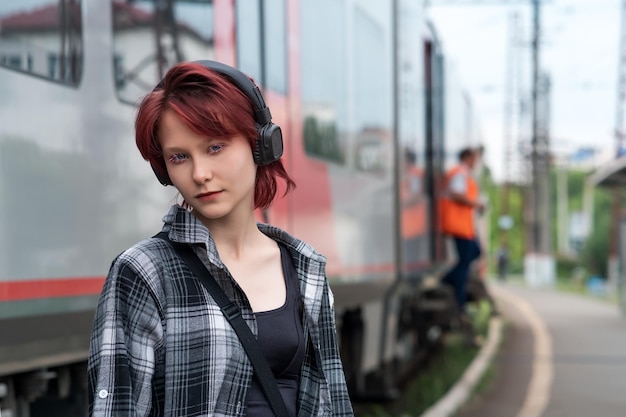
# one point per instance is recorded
(103, 393)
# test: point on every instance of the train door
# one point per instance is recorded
(344, 166)
(434, 109)
(415, 225)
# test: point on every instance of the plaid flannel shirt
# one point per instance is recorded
(160, 345)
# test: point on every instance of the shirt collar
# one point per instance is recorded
(183, 227)
(465, 168)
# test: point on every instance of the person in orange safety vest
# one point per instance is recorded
(460, 202)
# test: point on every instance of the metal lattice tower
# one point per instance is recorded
(511, 115)
(509, 100)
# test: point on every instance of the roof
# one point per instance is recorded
(45, 18)
(611, 174)
(42, 18)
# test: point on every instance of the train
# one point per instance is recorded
(372, 114)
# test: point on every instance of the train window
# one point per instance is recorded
(372, 88)
(262, 42)
(248, 39)
(149, 36)
(43, 38)
(346, 83)
(411, 92)
(276, 45)
(324, 79)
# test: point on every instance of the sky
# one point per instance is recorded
(579, 52)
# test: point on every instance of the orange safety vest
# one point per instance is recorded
(458, 219)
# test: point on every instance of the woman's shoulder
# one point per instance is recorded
(145, 256)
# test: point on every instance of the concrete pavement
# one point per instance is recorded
(562, 355)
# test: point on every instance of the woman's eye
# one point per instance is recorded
(215, 148)
(177, 157)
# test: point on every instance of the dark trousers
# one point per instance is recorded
(467, 251)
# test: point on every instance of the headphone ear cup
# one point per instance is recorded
(164, 179)
(269, 145)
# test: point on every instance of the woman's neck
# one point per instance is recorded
(236, 235)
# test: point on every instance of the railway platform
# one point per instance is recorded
(562, 355)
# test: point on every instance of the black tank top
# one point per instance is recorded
(281, 339)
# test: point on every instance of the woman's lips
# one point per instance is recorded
(207, 196)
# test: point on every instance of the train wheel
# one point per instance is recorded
(10, 404)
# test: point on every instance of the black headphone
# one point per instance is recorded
(268, 146)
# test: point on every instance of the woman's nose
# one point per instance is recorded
(202, 171)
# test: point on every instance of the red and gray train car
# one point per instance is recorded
(370, 115)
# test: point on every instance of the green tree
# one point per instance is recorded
(594, 254)
(596, 250)
(514, 237)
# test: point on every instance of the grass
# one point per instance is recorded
(438, 375)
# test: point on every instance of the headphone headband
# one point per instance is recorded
(244, 83)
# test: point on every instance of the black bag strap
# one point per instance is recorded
(232, 313)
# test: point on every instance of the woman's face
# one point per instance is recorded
(216, 177)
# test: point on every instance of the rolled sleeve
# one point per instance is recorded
(125, 340)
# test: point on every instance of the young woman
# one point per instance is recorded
(160, 345)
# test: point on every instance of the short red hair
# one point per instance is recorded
(210, 105)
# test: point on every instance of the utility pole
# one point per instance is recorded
(539, 267)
